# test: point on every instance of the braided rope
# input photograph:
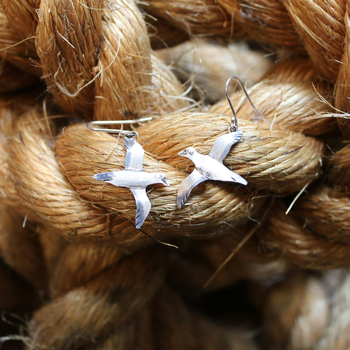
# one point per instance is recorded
(97, 62)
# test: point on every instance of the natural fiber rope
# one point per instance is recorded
(295, 312)
(336, 335)
(16, 48)
(51, 179)
(67, 73)
(291, 172)
(80, 70)
(229, 18)
(22, 251)
(323, 35)
(184, 145)
(117, 293)
(287, 237)
(338, 169)
(285, 24)
(281, 23)
(325, 212)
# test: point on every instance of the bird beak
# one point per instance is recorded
(166, 183)
(182, 154)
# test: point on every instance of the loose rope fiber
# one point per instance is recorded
(91, 279)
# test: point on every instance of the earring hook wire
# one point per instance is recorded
(234, 123)
(126, 133)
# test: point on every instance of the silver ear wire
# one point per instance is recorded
(211, 167)
(234, 123)
(119, 122)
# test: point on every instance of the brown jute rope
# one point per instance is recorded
(295, 312)
(97, 282)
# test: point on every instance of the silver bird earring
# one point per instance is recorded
(133, 176)
(211, 167)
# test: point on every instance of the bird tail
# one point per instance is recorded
(104, 177)
(129, 142)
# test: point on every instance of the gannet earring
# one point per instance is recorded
(133, 176)
(210, 167)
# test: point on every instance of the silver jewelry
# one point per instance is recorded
(211, 167)
(133, 176)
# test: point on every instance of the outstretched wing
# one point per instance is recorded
(239, 179)
(143, 206)
(134, 154)
(187, 185)
(223, 145)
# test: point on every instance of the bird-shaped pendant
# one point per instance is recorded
(134, 178)
(209, 167)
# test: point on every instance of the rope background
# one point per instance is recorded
(76, 272)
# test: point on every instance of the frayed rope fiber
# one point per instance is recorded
(73, 261)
